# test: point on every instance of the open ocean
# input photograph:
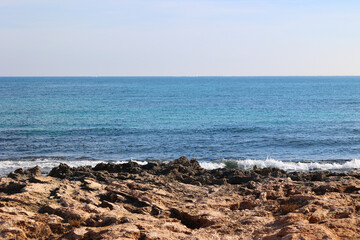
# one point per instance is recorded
(294, 123)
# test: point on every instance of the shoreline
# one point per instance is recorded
(47, 163)
(178, 200)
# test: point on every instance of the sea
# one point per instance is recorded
(292, 123)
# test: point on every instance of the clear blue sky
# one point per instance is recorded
(179, 37)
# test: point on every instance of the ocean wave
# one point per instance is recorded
(212, 165)
(117, 131)
(352, 165)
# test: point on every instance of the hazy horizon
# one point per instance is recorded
(179, 38)
(170, 76)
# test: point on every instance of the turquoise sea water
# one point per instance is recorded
(83, 119)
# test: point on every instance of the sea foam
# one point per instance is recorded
(47, 164)
(353, 165)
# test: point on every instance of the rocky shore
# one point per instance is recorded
(178, 200)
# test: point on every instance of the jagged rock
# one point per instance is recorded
(62, 171)
(178, 200)
(34, 172)
(24, 174)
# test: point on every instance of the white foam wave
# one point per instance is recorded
(286, 165)
(211, 165)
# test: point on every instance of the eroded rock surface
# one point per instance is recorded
(178, 200)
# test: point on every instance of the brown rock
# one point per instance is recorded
(178, 200)
(318, 215)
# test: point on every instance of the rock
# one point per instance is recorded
(62, 171)
(12, 233)
(263, 196)
(178, 200)
(24, 174)
(240, 180)
(34, 172)
(318, 215)
(322, 189)
(12, 187)
(92, 185)
(247, 205)
(190, 221)
(77, 233)
(352, 189)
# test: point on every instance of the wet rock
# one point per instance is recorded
(151, 166)
(270, 172)
(298, 176)
(318, 176)
(62, 171)
(240, 180)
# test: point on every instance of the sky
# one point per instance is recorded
(179, 37)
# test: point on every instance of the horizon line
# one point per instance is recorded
(95, 76)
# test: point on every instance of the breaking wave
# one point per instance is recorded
(352, 165)
(46, 164)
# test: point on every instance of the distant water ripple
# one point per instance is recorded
(289, 119)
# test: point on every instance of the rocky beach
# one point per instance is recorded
(178, 200)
